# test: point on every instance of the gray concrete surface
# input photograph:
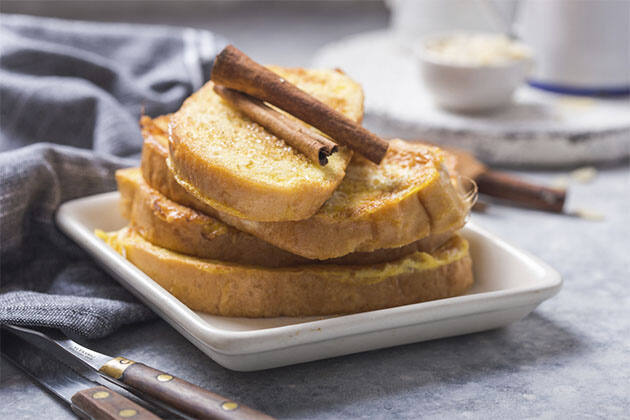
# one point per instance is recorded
(569, 359)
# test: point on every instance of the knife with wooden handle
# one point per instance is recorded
(100, 403)
(189, 398)
(86, 398)
(140, 379)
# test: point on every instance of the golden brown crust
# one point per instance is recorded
(181, 229)
(185, 230)
(236, 166)
(425, 210)
(235, 290)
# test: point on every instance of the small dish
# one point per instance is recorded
(509, 284)
(472, 72)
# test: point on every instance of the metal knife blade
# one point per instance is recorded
(86, 398)
(55, 342)
(158, 387)
(86, 363)
(53, 375)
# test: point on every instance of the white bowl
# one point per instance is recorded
(470, 87)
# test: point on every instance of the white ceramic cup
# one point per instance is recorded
(581, 45)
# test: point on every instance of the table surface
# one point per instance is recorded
(570, 358)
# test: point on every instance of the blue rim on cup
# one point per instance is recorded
(580, 91)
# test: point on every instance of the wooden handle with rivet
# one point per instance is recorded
(178, 393)
(100, 403)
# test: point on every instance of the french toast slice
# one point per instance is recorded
(231, 163)
(181, 229)
(230, 289)
(406, 198)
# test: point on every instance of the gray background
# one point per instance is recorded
(280, 32)
(568, 359)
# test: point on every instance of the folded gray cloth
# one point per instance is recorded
(71, 94)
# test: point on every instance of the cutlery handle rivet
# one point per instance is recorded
(127, 412)
(229, 406)
(164, 377)
(99, 395)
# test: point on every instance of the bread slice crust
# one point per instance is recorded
(228, 289)
(407, 198)
(236, 166)
(182, 229)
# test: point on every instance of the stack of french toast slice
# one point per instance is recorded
(234, 221)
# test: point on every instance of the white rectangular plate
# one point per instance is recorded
(509, 284)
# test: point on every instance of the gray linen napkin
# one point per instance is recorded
(71, 94)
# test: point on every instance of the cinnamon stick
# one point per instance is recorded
(235, 70)
(313, 145)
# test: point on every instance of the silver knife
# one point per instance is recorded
(140, 379)
(88, 399)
